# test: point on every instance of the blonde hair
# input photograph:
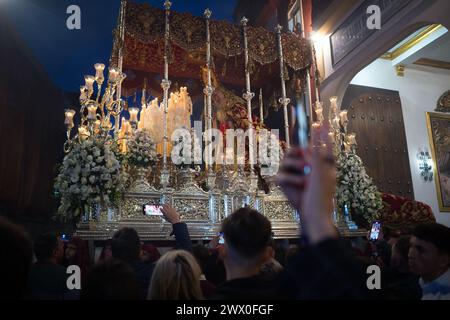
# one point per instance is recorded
(176, 277)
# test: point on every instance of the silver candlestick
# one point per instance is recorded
(248, 96)
(121, 41)
(284, 100)
(165, 85)
(208, 91)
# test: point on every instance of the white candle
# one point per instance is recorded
(351, 138)
(122, 127)
(106, 124)
(125, 126)
(83, 93)
(319, 114)
(99, 68)
(89, 80)
(240, 159)
(92, 111)
(83, 133)
(69, 118)
(261, 106)
(133, 114)
(331, 136)
(113, 74)
(229, 158)
(97, 126)
(336, 122)
(318, 105)
(333, 101)
(343, 117)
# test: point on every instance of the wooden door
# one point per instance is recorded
(375, 115)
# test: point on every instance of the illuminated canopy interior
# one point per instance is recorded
(143, 55)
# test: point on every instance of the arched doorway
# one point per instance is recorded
(388, 102)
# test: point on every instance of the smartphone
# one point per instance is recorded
(152, 210)
(221, 238)
(375, 231)
(302, 122)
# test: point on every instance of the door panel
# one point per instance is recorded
(375, 115)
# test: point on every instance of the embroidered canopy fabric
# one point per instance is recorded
(404, 214)
(144, 46)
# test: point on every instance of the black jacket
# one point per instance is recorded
(260, 287)
(47, 281)
(324, 271)
(182, 238)
(144, 271)
(401, 286)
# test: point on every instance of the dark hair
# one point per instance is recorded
(202, 255)
(402, 246)
(280, 253)
(15, 260)
(111, 280)
(384, 252)
(126, 244)
(215, 269)
(247, 231)
(389, 232)
(291, 253)
(44, 246)
(434, 233)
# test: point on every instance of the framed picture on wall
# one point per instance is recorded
(439, 135)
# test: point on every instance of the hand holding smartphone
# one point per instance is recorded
(375, 231)
(152, 210)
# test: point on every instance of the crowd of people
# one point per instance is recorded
(250, 264)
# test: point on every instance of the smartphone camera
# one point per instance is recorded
(375, 231)
(151, 210)
(221, 238)
(65, 238)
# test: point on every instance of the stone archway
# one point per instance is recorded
(419, 14)
(337, 83)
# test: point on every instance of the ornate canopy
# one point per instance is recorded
(143, 48)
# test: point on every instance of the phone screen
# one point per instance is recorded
(221, 239)
(302, 131)
(375, 231)
(152, 210)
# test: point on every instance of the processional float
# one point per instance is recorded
(206, 194)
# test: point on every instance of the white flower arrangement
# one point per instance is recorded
(141, 150)
(89, 174)
(356, 189)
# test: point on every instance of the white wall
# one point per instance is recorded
(416, 14)
(420, 90)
